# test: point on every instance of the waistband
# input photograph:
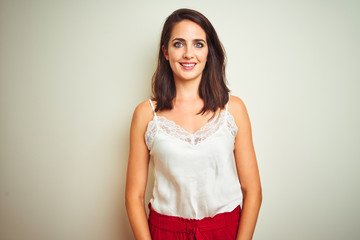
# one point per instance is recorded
(194, 226)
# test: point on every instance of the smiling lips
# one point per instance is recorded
(188, 65)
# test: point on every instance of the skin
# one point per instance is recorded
(188, 45)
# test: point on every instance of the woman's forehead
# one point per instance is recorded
(187, 30)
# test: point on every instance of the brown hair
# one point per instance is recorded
(212, 89)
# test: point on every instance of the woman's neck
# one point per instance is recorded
(187, 90)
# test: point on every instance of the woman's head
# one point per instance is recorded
(212, 89)
(187, 51)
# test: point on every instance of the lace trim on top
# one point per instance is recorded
(174, 130)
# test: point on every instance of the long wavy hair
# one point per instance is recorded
(212, 89)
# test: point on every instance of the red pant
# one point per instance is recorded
(222, 226)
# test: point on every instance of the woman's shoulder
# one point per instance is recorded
(143, 114)
(237, 108)
(145, 106)
(236, 103)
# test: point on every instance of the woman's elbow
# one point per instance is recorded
(131, 198)
(260, 196)
(254, 193)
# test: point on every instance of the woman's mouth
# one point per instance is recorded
(187, 66)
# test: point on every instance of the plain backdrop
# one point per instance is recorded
(72, 72)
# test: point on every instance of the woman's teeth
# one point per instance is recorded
(188, 65)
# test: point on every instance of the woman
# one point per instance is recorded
(199, 139)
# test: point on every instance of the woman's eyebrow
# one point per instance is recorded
(183, 40)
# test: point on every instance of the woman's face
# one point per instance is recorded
(187, 51)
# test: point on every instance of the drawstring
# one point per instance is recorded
(194, 232)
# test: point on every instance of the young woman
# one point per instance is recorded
(199, 139)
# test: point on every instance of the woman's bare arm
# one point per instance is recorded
(137, 172)
(247, 169)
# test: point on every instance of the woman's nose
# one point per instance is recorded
(188, 52)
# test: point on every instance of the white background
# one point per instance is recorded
(72, 72)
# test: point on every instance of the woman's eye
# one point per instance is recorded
(199, 45)
(178, 44)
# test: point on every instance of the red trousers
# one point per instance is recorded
(222, 226)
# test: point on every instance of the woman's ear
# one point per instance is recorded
(165, 52)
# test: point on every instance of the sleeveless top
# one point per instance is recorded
(194, 174)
